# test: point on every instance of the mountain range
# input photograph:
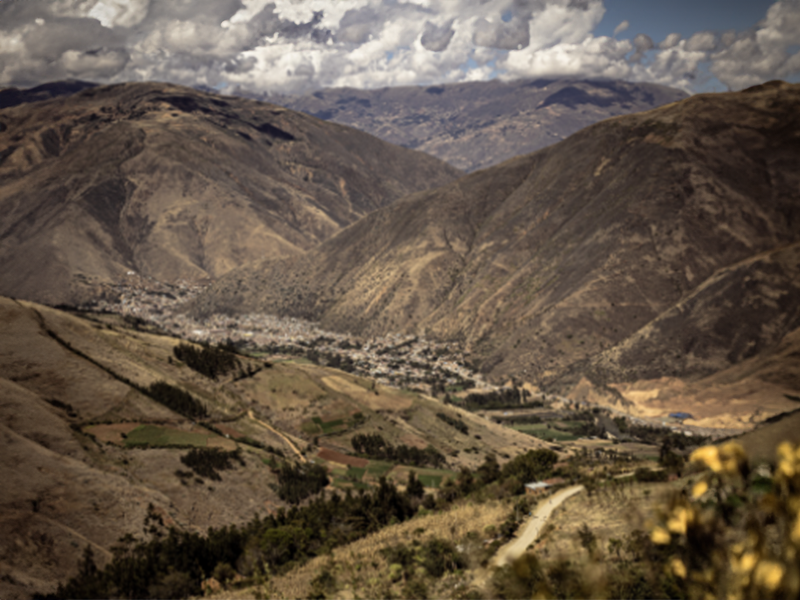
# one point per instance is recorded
(660, 244)
(650, 261)
(474, 125)
(172, 183)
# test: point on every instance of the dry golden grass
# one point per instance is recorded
(611, 512)
(386, 399)
(761, 443)
(360, 569)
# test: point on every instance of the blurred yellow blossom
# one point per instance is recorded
(768, 574)
(786, 469)
(748, 561)
(678, 568)
(709, 456)
(700, 488)
(795, 535)
(660, 536)
(732, 456)
(679, 519)
(785, 451)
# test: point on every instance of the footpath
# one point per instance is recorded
(533, 527)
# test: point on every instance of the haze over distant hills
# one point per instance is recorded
(478, 124)
(174, 183)
(665, 243)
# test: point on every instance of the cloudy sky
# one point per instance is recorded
(293, 46)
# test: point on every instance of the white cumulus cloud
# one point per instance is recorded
(300, 45)
(622, 27)
(753, 57)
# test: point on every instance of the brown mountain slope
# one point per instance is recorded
(14, 96)
(173, 183)
(478, 124)
(71, 477)
(662, 243)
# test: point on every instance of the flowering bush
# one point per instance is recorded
(729, 539)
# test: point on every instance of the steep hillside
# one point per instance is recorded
(89, 455)
(14, 96)
(658, 244)
(478, 124)
(173, 183)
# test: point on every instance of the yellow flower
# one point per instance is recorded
(678, 568)
(700, 488)
(677, 522)
(660, 536)
(768, 574)
(733, 456)
(748, 562)
(786, 468)
(794, 504)
(795, 535)
(708, 456)
(785, 451)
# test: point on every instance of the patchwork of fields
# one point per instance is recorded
(359, 473)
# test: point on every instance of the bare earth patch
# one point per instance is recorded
(340, 458)
(111, 432)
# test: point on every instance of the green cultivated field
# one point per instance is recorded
(379, 468)
(356, 473)
(541, 431)
(152, 435)
(327, 427)
(431, 481)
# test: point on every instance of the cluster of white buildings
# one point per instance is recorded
(394, 359)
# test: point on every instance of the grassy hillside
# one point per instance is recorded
(92, 450)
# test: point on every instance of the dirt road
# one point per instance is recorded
(278, 433)
(534, 526)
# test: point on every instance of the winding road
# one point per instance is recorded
(534, 526)
(279, 434)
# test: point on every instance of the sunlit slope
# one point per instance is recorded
(649, 245)
(173, 183)
(88, 449)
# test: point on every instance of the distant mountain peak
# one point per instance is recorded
(474, 125)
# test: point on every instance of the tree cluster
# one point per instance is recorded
(207, 462)
(531, 466)
(173, 566)
(372, 445)
(207, 360)
(298, 482)
(664, 435)
(176, 399)
(498, 399)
